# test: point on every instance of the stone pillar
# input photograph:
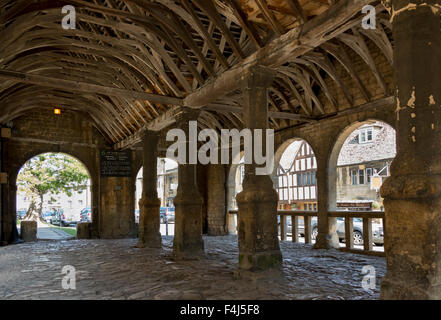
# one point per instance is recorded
(327, 237)
(84, 230)
(94, 192)
(202, 183)
(117, 206)
(28, 231)
(149, 204)
(188, 202)
(412, 194)
(257, 203)
(216, 200)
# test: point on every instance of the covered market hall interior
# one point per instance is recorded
(102, 80)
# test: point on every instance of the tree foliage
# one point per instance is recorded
(51, 173)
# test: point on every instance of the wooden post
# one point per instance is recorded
(307, 224)
(349, 232)
(367, 234)
(295, 228)
(282, 227)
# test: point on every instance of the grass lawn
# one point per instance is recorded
(71, 231)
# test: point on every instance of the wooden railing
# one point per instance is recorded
(366, 217)
(349, 216)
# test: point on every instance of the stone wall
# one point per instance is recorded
(41, 131)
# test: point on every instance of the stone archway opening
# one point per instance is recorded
(54, 189)
(167, 185)
(295, 180)
(235, 179)
(358, 166)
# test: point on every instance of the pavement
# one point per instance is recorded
(49, 232)
(116, 269)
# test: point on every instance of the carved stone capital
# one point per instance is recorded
(413, 186)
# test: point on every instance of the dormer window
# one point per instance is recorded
(366, 135)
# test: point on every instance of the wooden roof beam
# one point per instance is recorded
(84, 87)
(292, 44)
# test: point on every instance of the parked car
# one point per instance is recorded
(137, 216)
(55, 217)
(86, 214)
(167, 214)
(68, 218)
(21, 213)
(377, 230)
(171, 214)
(47, 216)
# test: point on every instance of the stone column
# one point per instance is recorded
(188, 242)
(216, 200)
(412, 195)
(149, 204)
(327, 237)
(257, 203)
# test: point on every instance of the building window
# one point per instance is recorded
(354, 177)
(299, 179)
(305, 207)
(80, 202)
(310, 207)
(368, 175)
(315, 206)
(361, 176)
(365, 135)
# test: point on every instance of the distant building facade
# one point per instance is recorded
(367, 152)
(296, 182)
(366, 155)
(167, 186)
(70, 205)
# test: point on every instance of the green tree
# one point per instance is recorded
(50, 173)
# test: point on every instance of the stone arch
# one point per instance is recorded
(281, 148)
(335, 152)
(310, 166)
(32, 154)
(137, 175)
(27, 156)
(231, 183)
(231, 192)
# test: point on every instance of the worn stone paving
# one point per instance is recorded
(115, 269)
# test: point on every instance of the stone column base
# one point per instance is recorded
(28, 230)
(411, 243)
(330, 239)
(258, 234)
(188, 242)
(149, 235)
(84, 230)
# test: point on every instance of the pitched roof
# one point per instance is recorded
(290, 154)
(383, 147)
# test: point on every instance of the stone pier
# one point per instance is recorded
(188, 202)
(413, 192)
(257, 203)
(149, 204)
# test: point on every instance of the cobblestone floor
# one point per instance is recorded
(114, 269)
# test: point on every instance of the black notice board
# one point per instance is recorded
(116, 163)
